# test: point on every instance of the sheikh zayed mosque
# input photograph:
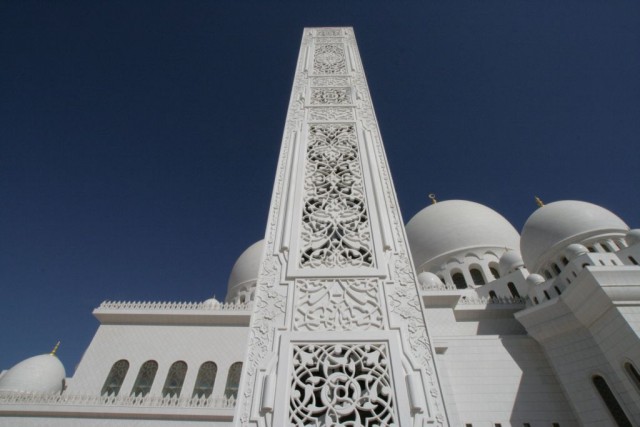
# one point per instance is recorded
(343, 315)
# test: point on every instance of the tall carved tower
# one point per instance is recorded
(337, 334)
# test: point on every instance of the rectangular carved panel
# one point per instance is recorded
(331, 114)
(337, 305)
(335, 221)
(341, 384)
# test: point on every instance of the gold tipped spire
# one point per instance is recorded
(55, 349)
(539, 202)
(432, 196)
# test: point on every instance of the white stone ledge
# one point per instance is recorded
(89, 406)
(173, 313)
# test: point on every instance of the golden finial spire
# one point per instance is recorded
(55, 349)
(539, 202)
(432, 196)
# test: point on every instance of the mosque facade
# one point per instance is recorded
(345, 316)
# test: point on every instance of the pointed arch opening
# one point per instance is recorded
(145, 378)
(233, 380)
(114, 380)
(205, 380)
(175, 379)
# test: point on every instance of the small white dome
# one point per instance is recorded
(245, 270)
(509, 262)
(39, 374)
(455, 225)
(633, 237)
(211, 302)
(535, 279)
(574, 250)
(560, 223)
(429, 280)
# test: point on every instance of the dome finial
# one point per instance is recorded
(55, 349)
(539, 202)
(432, 196)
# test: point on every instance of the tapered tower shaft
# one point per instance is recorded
(337, 334)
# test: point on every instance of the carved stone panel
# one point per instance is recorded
(329, 58)
(335, 221)
(337, 305)
(329, 32)
(330, 96)
(330, 81)
(328, 114)
(341, 384)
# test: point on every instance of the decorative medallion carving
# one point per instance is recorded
(329, 58)
(331, 114)
(335, 222)
(337, 305)
(341, 384)
(330, 95)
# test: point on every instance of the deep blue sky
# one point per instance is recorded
(138, 140)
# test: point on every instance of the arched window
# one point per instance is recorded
(513, 290)
(492, 295)
(233, 380)
(555, 268)
(175, 379)
(558, 291)
(206, 379)
(547, 274)
(633, 374)
(145, 378)
(605, 247)
(633, 260)
(459, 280)
(546, 294)
(477, 277)
(494, 272)
(115, 378)
(565, 261)
(610, 400)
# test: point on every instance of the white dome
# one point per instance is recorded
(39, 374)
(509, 262)
(245, 270)
(455, 225)
(560, 223)
(429, 280)
(211, 302)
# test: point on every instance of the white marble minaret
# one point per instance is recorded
(337, 334)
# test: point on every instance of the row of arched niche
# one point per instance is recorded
(175, 379)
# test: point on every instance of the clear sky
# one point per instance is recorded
(138, 140)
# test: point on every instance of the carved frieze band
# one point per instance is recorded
(341, 385)
(337, 305)
(335, 222)
(331, 114)
(330, 81)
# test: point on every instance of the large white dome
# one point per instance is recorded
(559, 224)
(245, 270)
(455, 225)
(39, 374)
